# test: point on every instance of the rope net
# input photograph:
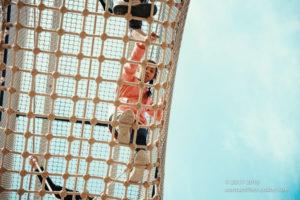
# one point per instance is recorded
(61, 66)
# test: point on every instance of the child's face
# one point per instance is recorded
(149, 74)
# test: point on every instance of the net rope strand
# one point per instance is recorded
(33, 137)
(106, 163)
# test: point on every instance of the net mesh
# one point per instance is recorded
(61, 65)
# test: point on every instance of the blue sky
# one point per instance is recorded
(235, 110)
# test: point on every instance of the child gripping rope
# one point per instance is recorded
(127, 115)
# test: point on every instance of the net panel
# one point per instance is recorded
(61, 64)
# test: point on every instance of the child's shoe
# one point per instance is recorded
(140, 161)
(137, 9)
(126, 121)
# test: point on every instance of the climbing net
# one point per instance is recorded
(61, 63)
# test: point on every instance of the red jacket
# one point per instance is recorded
(130, 94)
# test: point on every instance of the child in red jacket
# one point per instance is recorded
(127, 115)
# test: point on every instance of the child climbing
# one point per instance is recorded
(139, 8)
(49, 185)
(127, 115)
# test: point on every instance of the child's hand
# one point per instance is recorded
(153, 37)
(33, 160)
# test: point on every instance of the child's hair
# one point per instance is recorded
(149, 92)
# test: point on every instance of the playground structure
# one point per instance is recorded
(61, 64)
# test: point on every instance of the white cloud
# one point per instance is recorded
(265, 134)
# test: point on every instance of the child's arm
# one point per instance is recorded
(140, 35)
(137, 55)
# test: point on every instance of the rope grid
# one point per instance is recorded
(61, 73)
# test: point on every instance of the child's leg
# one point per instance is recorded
(155, 176)
(135, 24)
(141, 137)
(141, 158)
(126, 120)
(138, 8)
